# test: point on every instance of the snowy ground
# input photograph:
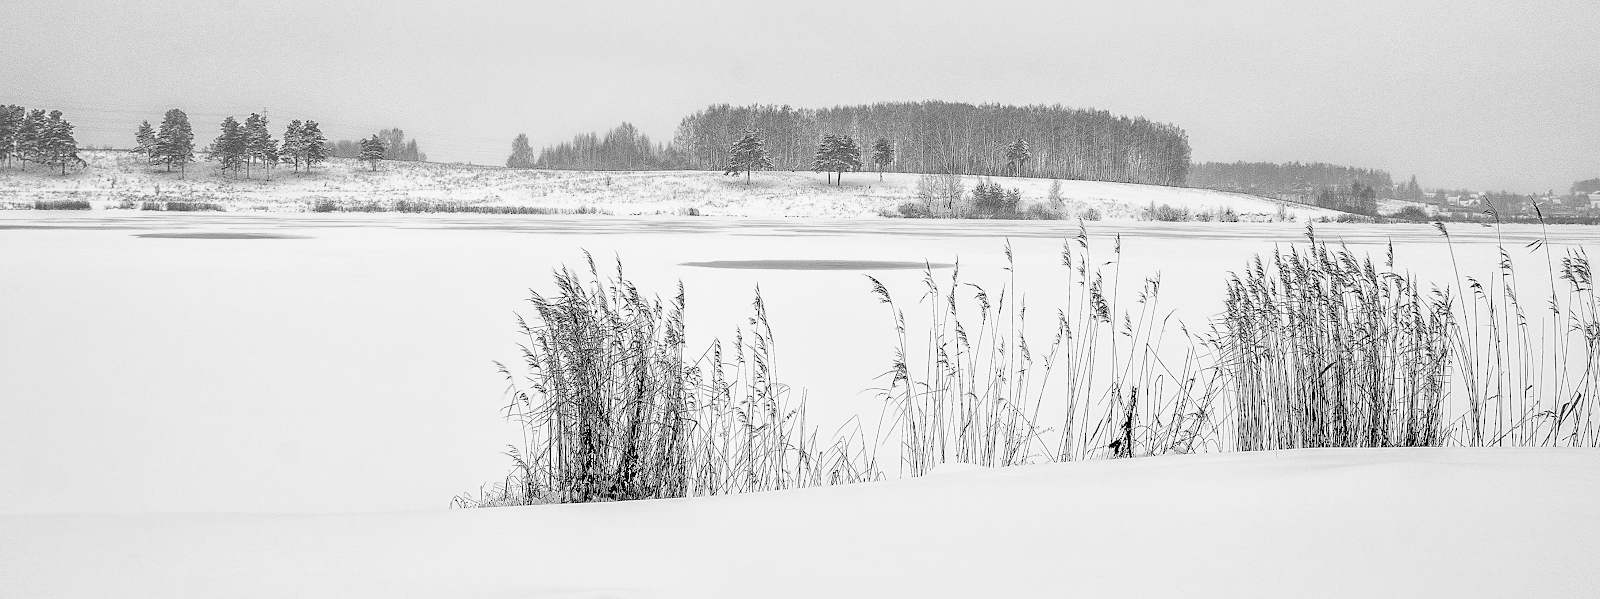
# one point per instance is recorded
(282, 405)
(1309, 523)
(116, 176)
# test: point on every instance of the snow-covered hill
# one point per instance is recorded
(113, 177)
(1340, 523)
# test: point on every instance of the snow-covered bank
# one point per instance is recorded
(113, 177)
(1306, 523)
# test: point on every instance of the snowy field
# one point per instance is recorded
(283, 405)
(113, 177)
(1306, 524)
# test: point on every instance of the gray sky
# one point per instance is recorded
(1486, 95)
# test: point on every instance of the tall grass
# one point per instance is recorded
(611, 410)
(414, 206)
(1325, 350)
(982, 395)
(62, 205)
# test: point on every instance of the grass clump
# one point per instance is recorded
(175, 206)
(611, 410)
(972, 389)
(1325, 350)
(62, 205)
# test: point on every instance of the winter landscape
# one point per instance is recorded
(1072, 315)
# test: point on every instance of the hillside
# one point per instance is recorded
(1303, 523)
(115, 178)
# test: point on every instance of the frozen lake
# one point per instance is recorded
(341, 363)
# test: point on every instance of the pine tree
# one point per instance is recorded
(826, 160)
(1017, 156)
(175, 141)
(314, 147)
(11, 117)
(748, 154)
(372, 151)
(57, 147)
(258, 143)
(882, 154)
(29, 134)
(228, 149)
(847, 159)
(293, 146)
(521, 153)
(146, 139)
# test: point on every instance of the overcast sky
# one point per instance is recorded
(1485, 95)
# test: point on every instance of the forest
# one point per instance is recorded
(1306, 180)
(928, 137)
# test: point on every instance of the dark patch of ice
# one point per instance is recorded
(817, 264)
(220, 235)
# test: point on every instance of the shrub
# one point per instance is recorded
(989, 200)
(1166, 213)
(1412, 213)
(1090, 214)
(1043, 212)
(913, 210)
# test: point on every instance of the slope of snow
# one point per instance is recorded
(113, 177)
(1306, 523)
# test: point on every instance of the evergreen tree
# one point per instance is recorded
(228, 149)
(314, 147)
(848, 159)
(1017, 155)
(882, 154)
(146, 139)
(258, 143)
(11, 118)
(293, 146)
(748, 154)
(175, 141)
(372, 151)
(826, 160)
(29, 134)
(521, 153)
(57, 147)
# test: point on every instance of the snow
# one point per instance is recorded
(282, 405)
(1305, 523)
(114, 176)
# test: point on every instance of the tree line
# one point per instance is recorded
(238, 145)
(395, 147)
(36, 136)
(623, 148)
(1307, 181)
(928, 137)
(947, 137)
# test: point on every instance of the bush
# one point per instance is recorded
(1412, 213)
(62, 205)
(989, 200)
(913, 210)
(1043, 212)
(1166, 213)
(1089, 214)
